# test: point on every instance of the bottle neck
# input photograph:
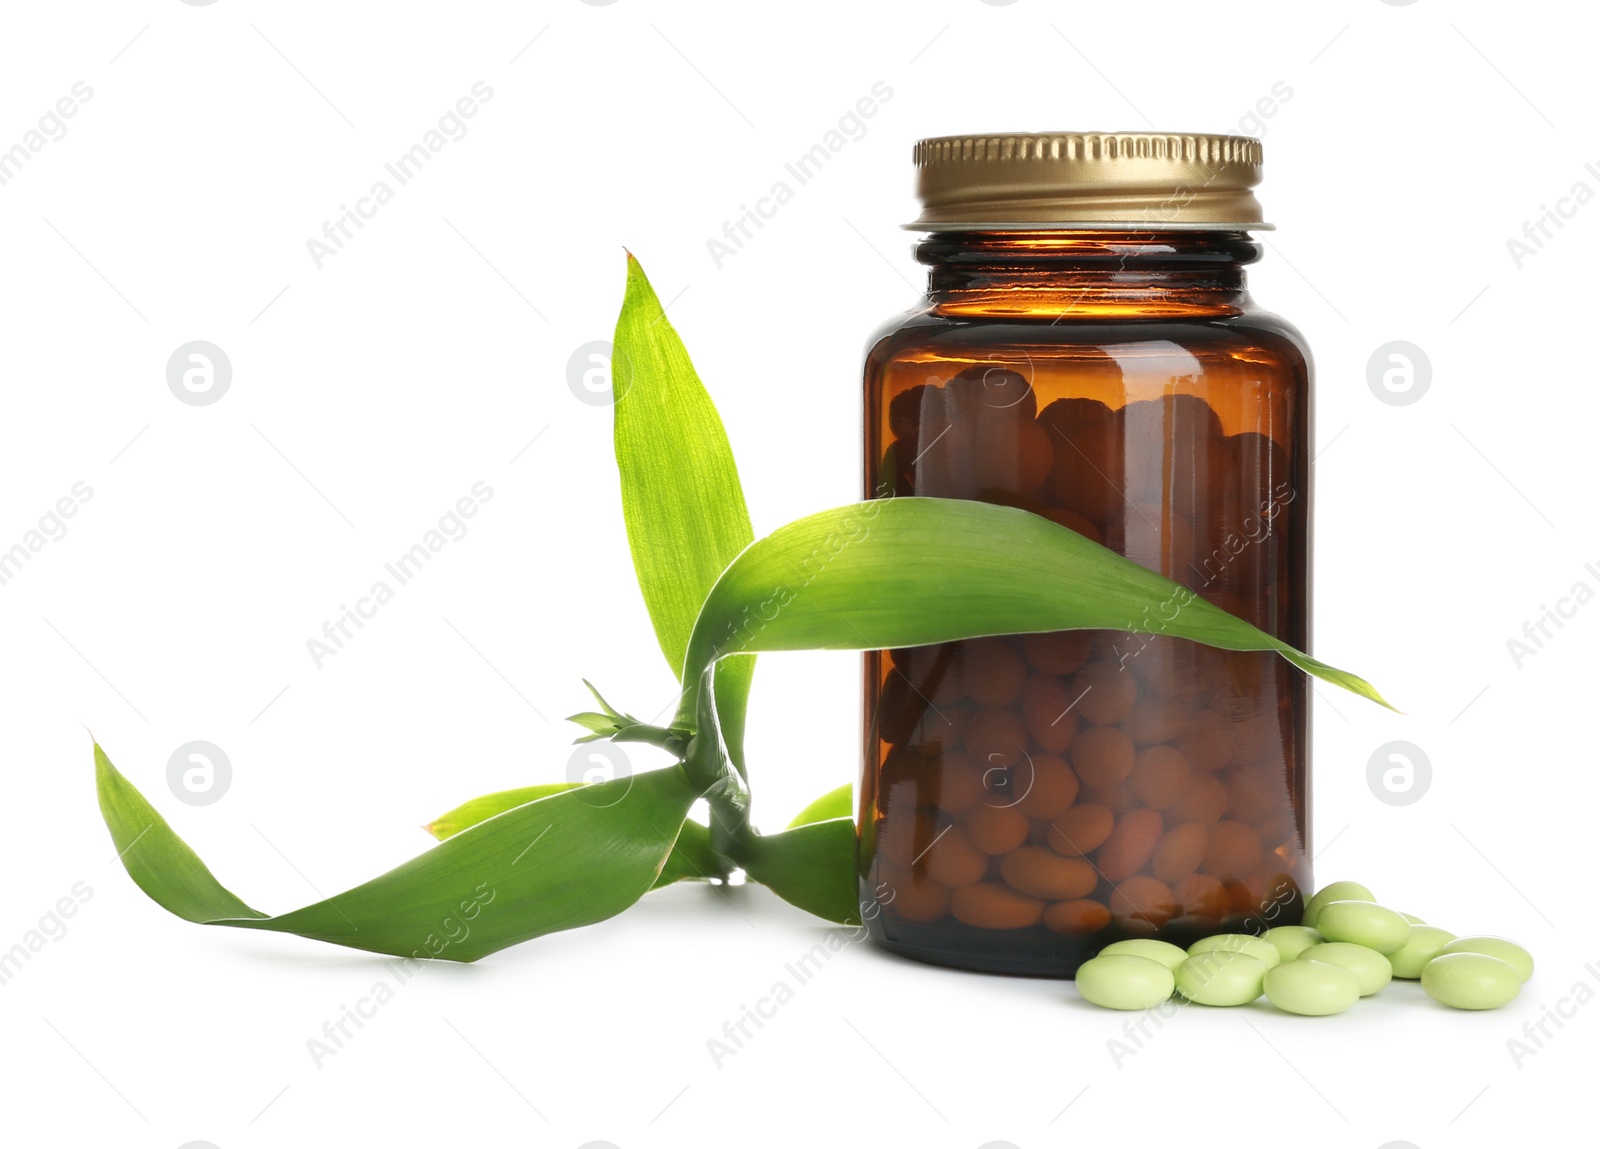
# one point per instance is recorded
(1088, 274)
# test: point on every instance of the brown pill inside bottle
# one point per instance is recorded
(1130, 845)
(1081, 830)
(1155, 719)
(991, 906)
(1144, 899)
(986, 393)
(1102, 757)
(993, 671)
(1203, 800)
(996, 738)
(1047, 712)
(1161, 775)
(1087, 453)
(952, 860)
(960, 781)
(1168, 445)
(1011, 458)
(1234, 850)
(996, 829)
(1254, 792)
(1041, 873)
(1119, 799)
(1105, 692)
(911, 898)
(1207, 743)
(1061, 652)
(1180, 852)
(1077, 917)
(1046, 786)
(1201, 895)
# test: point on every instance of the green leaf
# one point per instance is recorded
(692, 857)
(597, 724)
(604, 705)
(833, 804)
(681, 497)
(913, 571)
(565, 860)
(811, 866)
(481, 809)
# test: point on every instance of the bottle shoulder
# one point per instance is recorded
(1251, 331)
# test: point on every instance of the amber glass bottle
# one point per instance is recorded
(1087, 351)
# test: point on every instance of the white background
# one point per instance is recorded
(370, 394)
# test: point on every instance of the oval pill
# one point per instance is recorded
(1220, 977)
(1202, 896)
(914, 898)
(1130, 845)
(1106, 692)
(1369, 967)
(991, 906)
(1042, 873)
(1506, 950)
(1060, 653)
(1081, 830)
(1263, 951)
(1311, 988)
(1423, 944)
(1364, 923)
(1470, 981)
(1124, 981)
(1144, 899)
(1047, 712)
(1166, 953)
(1334, 892)
(952, 860)
(1179, 852)
(1161, 774)
(1102, 757)
(1077, 917)
(1047, 786)
(1233, 850)
(997, 829)
(1292, 941)
(992, 671)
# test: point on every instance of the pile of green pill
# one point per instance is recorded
(1347, 947)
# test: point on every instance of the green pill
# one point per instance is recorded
(1413, 919)
(1369, 967)
(1221, 977)
(1124, 981)
(1509, 952)
(1311, 988)
(1263, 951)
(1365, 924)
(1335, 892)
(1470, 980)
(1421, 947)
(1166, 953)
(1291, 941)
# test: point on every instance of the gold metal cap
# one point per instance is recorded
(1041, 180)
